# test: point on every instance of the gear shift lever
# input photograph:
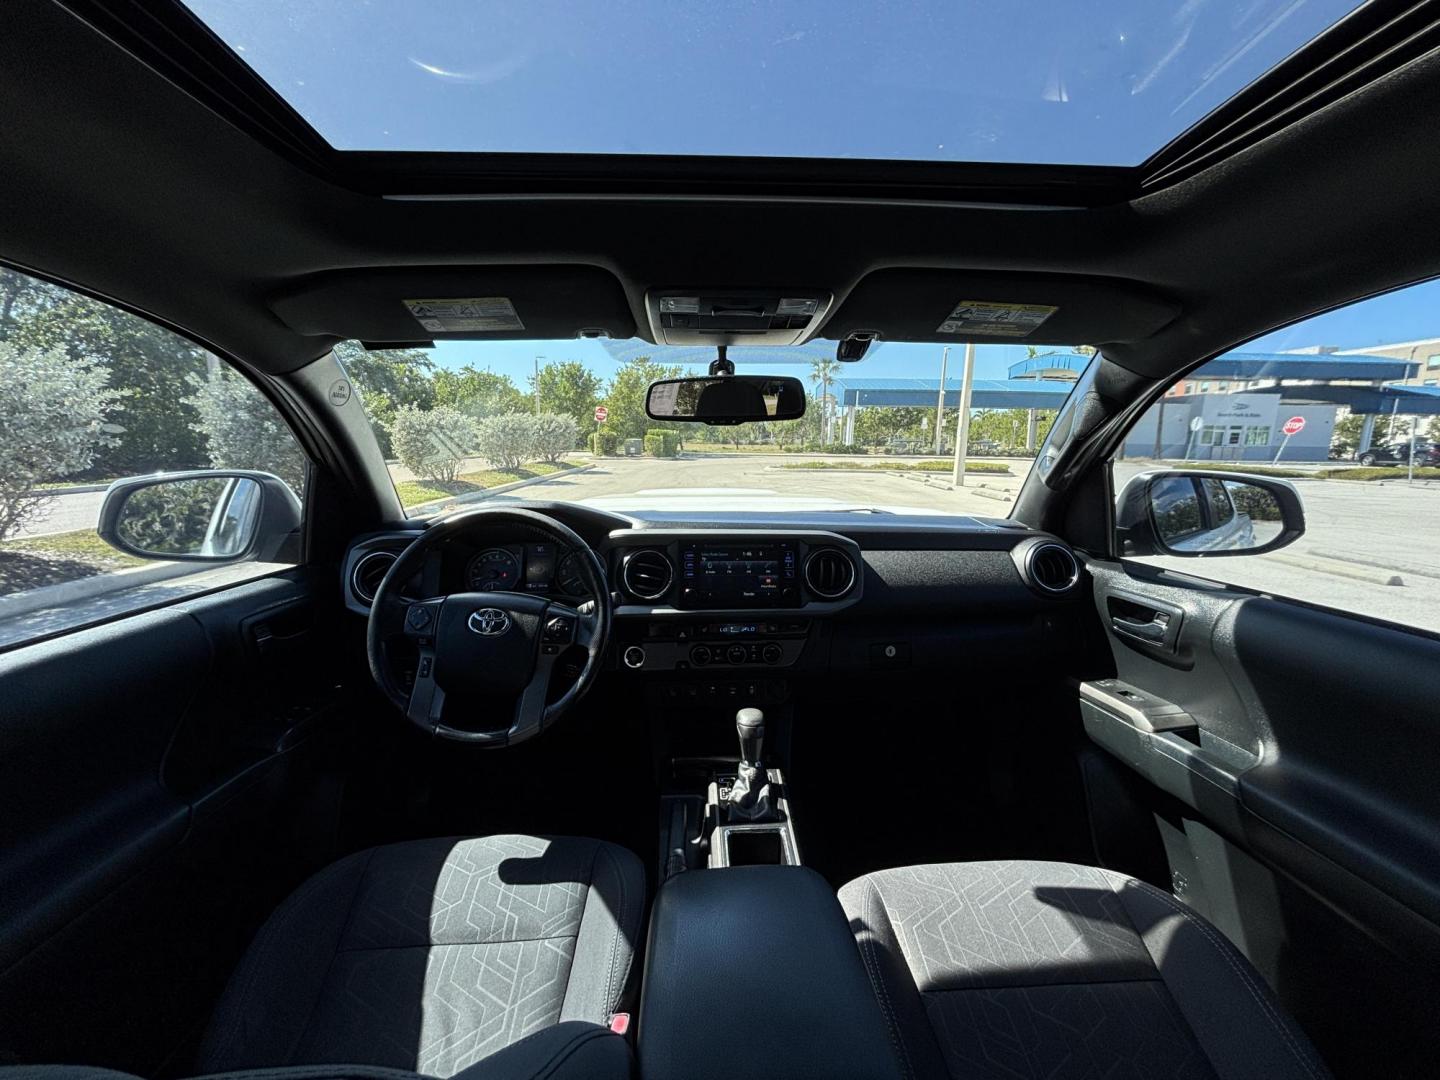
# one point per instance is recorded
(750, 794)
(750, 726)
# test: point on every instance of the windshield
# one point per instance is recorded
(468, 423)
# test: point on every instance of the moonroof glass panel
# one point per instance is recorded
(1084, 82)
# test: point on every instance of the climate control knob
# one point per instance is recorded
(700, 655)
(772, 653)
(735, 654)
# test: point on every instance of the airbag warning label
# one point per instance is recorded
(470, 313)
(1000, 320)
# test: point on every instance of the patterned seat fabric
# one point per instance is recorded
(430, 956)
(1030, 969)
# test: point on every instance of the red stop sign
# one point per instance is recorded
(601, 414)
(1294, 425)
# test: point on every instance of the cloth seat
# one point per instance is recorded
(1034, 969)
(433, 955)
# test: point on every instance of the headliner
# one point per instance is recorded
(123, 183)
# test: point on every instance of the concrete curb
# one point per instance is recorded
(481, 496)
(77, 489)
(69, 592)
(1321, 565)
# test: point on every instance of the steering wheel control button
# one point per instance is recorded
(419, 617)
(559, 631)
(634, 657)
(426, 665)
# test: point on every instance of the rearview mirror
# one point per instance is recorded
(1173, 512)
(727, 399)
(208, 515)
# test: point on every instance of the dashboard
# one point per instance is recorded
(750, 592)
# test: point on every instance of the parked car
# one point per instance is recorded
(1398, 453)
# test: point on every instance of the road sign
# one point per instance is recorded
(1293, 426)
(601, 414)
(1196, 424)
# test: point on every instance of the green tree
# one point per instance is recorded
(52, 424)
(570, 390)
(625, 396)
(822, 372)
(149, 365)
(877, 426)
(479, 393)
(241, 429)
(388, 379)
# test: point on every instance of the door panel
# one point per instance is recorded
(1291, 790)
(151, 769)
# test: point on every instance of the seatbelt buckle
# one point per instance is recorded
(620, 1023)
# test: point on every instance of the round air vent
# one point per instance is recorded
(369, 572)
(1053, 568)
(829, 573)
(647, 574)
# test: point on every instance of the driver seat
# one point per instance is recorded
(432, 955)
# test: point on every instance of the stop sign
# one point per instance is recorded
(601, 414)
(1293, 426)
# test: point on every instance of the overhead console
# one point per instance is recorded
(772, 317)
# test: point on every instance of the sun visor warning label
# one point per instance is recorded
(482, 313)
(998, 320)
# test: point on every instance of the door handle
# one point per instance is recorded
(1154, 630)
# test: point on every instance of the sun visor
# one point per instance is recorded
(1020, 309)
(459, 303)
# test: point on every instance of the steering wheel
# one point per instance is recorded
(496, 646)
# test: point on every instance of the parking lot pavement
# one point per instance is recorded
(725, 474)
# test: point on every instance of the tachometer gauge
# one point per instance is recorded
(568, 576)
(495, 570)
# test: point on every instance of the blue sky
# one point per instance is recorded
(1075, 81)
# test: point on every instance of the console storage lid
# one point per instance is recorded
(752, 971)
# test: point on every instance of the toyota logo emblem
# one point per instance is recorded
(489, 622)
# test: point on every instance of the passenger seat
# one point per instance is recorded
(1039, 969)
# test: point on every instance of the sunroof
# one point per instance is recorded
(1083, 82)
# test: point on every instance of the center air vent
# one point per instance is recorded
(369, 572)
(1053, 568)
(829, 573)
(647, 574)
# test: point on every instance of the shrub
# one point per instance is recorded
(52, 423)
(506, 441)
(604, 444)
(553, 436)
(241, 428)
(662, 442)
(432, 443)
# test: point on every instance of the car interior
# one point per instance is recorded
(723, 790)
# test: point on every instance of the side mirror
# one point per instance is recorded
(1174, 512)
(727, 399)
(209, 515)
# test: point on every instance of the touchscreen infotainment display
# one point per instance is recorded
(738, 575)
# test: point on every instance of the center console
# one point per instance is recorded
(753, 971)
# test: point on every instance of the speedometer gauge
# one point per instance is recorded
(495, 570)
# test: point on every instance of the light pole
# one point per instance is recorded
(962, 423)
(940, 404)
(537, 384)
